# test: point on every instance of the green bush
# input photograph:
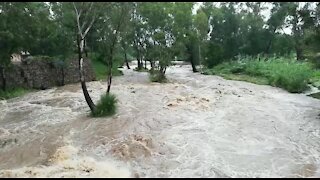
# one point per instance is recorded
(288, 74)
(106, 106)
(315, 80)
(157, 76)
(14, 92)
(100, 68)
(215, 55)
(292, 76)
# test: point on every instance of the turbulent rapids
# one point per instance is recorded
(193, 126)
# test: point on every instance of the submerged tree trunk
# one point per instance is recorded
(152, 64)
(126, 60)
(141, 61)
(109, 78)
(191, 57)
(140, 65)
(81, 72)
(192, 60)
(62, 72)
(163, 70)
(145, 64)
(194, 69)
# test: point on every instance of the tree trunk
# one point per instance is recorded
(269, 46)
(141, 61)
(145, 64)
(126, 59)
(81, 72)
(85, 48)
(270, 41)
(109, 75)
(194, 69)
(191, 57)
(199, 49)
(299, 53)
(140, 65)
(63, 74)
(4, 80)
(152, 64)
(162, 70)
(193, 64)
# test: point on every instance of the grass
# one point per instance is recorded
(157, 76)
(12, 93)
(288, 74)
(100, 68)
(106, 106)
(315, 79)
(315, 95)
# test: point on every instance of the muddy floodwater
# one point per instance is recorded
(193, 126)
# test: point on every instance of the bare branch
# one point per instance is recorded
(86, 16)
(90, 25)
(78, 20)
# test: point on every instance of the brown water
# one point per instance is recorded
(194, 126)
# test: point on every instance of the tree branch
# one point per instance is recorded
(78, 19)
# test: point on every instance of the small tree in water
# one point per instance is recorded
(115, 15)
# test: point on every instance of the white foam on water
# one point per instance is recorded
(67, 163)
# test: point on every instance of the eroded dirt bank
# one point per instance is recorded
(194, 126)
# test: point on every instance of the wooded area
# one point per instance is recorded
(158, 33)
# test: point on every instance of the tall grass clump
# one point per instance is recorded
(106, 106)
(157, 76)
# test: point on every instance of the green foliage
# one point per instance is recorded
(12, 93)
(106, 106)
(157, 76)
(315, 95)
(100, 68)
(315, 79)
(285, 73)
(215, 55)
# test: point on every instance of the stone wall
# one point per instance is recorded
(43, 73)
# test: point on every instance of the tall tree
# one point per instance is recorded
(116, 16)
(14, 18)
(85, 14)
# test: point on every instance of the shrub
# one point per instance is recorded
(14, 92)
(106, 106)
(157, 76)
(292, 76)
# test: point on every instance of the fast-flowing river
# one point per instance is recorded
(193, 126)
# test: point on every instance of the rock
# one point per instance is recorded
(43, 73)
(171, 104)
(205, 99)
